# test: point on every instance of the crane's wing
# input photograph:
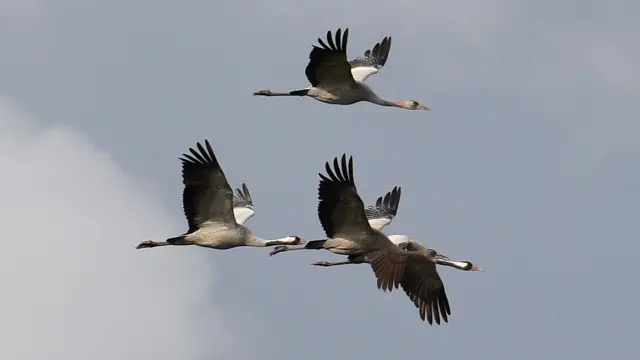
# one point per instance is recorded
(242, 205)
(340, 208)
(425, 288)
(372, 61)
(419, 279)
(207, 196)
(384, 210)
(328, 65)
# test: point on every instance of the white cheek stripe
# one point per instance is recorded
(459, 263)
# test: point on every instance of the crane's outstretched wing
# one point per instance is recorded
(372, 61)
(243, 205)
(340, 208)
(426, 290)
(384, 210)
(207, 196)
(328, 65)
(419, 279)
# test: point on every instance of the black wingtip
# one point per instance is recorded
(203, 154)
(336, 41)
(339, 170)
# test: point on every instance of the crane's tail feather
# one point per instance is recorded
(178, 240)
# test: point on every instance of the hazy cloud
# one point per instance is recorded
(73, 285)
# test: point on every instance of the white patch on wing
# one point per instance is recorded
(399, 239)
(242, 214)
(360, 74)
(379, 223)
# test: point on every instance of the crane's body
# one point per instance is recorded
(221, 237)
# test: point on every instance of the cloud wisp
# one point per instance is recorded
(73, 285)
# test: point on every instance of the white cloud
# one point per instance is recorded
(73, 286)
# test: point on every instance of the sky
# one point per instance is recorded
(527, 165)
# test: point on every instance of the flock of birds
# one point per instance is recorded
(216, 215)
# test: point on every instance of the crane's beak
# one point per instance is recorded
(477, 268)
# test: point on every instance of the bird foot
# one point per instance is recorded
(321, 263)
(263, 92)
(278, 249)
(146, 244)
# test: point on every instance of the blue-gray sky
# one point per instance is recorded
(527, 165)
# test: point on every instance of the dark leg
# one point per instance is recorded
(178, 240)
(301, 92)
(150, 244)
(333, 263)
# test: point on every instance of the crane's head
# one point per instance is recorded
(411, 105)
(468, 266)
(432, 254)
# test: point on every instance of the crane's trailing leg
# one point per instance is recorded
(352, 259)
(333, 263)
(150, 244)
(311, 245)
(172, 241)
(301, 92)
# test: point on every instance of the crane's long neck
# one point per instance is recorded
(257, 241)
(373, 98)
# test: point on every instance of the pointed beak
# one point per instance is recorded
(477, 268)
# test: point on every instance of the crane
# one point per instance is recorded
(335, 80)
(342, 215)
(382, 214)
(208, 206)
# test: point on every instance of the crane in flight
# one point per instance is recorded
(335, 80)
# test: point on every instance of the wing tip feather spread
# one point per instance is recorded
(336, 191)
(386, 206)
(242, 197)
(425, 290)
(332, 50)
